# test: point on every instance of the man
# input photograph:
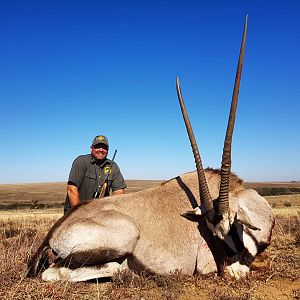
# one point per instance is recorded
(89, 172)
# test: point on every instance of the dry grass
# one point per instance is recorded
(53, 194)
(49, 195)
(275, 274)
(284, 201)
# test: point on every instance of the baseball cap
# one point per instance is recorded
(100, 139)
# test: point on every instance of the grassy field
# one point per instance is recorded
(34, 198)
(49, 195)
(274, 275)
(53, 194)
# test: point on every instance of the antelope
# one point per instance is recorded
(164, 229)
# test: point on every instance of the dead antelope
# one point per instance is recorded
(146, 231)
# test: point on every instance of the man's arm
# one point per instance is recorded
(118, 183)
(119, 192)
(73, 194)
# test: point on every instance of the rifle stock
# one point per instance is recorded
(103, 190)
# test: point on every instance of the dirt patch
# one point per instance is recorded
(280, 289)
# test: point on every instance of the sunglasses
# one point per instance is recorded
(98, 146)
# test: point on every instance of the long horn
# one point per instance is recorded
(226, 158)
(203, 188)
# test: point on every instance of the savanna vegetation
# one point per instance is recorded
(274, 275)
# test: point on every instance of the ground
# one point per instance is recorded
(29, 210)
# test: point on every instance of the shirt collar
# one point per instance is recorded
(100, 164)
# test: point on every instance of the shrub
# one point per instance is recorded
(287, 204)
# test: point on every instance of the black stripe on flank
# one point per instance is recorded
(90, 258)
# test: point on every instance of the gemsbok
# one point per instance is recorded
(164, 229)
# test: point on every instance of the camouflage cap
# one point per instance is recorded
(100, 139)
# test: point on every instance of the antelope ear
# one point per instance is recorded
(242, 217)
(194, 215)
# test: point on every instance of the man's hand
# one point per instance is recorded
(73, 194)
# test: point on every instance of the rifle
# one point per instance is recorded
(105, 184)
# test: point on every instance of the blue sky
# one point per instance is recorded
(73, 69)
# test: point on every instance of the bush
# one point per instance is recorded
(287, 204)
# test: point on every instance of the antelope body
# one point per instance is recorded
(155, 231)
(144, 231)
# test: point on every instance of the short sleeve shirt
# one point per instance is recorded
(88, 176)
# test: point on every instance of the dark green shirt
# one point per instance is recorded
(88, 176)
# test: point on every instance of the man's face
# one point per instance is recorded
(99, 151)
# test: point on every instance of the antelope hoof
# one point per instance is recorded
(237, 271)
(51, 274)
